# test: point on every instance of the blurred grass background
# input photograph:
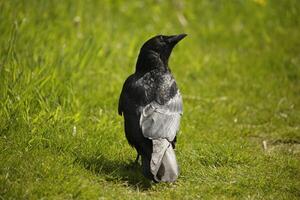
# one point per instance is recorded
(62, 66)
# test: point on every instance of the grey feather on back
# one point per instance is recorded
(162, 121)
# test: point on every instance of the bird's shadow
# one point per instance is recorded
(115, 171)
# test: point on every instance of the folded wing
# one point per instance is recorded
(162, 121)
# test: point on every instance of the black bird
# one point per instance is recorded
(152, 107)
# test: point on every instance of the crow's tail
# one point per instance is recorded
(163, 164)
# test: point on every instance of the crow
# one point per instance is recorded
(151, 104)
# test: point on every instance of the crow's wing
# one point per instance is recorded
(125, 102)
(162, 121)
(120, 106)
(122, 100)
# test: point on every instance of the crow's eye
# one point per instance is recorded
(161, 38)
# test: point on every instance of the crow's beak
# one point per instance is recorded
(174, 39)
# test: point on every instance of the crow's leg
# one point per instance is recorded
(134, 164)
(137, 158)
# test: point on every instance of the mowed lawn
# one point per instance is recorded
(62, 67)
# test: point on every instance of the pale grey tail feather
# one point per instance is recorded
(163, 163)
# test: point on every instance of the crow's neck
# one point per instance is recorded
(148, 61)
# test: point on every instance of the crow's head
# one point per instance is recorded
(156, 51)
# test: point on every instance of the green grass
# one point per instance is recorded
(62, 66)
